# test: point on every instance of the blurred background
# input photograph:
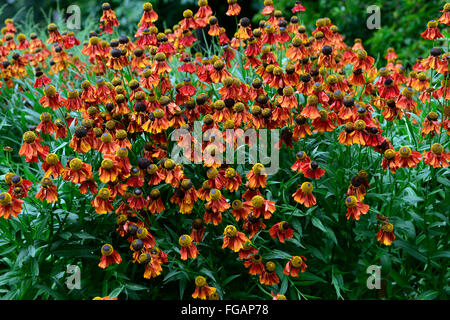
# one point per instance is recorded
(402, 21)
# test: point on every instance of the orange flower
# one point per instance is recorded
(386, 234)
(198, 230)
(108, 170)
(304, 195)
(233, 8)
(247, 250)
(138, 201)
(312, 170)
(217, 201)
(156, 205)
(257, 176)
(389, 160)
(355, 208)
(202, 290)
(109, 256)
(9, 205)
(233, 239)
(406, 157)
(436, 157)
(48, 191)
(282, 231)
(239, 210)
(102, 202)
(188, 249)
(153, 266)
(268, 275)
(31, 148)
(293, 266)
(260, 207)
(432, 32)
(255, 264)
(77, 171)
(232, 180)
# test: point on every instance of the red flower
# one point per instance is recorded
(233, 239)
(293, 266)
(202, 290)
(436, 157)
(188, 249)
(9, 205)
(386, 234)
(282, 231)
(355, 208)
(109, 256)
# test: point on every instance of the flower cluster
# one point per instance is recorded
(128, 95)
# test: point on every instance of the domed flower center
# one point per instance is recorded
(104, 193)
(152, 169)
(142, 233)
(230, 173)
(258, 169)
(212, 173)
(107, 164)
(360, 125)
(307, 187)
(186, 184)
(257, 201)
(185, 240)
(312, 100)
(387, 227)
(215, 194)
(200, 281)
(405, 152)
(50, 91)
(351, 202)
(5, 198)
(283, 226)
(155, 194)
(169, 164)
(158, 113)
(121, 219)
(46, 117)
(389, 154)
(437, 148)
(270, 266)
(29, 137)
(51, 159)
(230, 231)
(76, 164)
(107, 250)
(122, 152)
(296, 261)
(144, 258)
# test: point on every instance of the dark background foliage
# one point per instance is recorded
(402, 21)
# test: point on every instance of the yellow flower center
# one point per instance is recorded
(296, 261)
(212, 173)
(312, 100)
(270, 266)
(52, 159)
(405, 152)
(200, 281)
(169, 164)
(107, 250)
(257, 201)
(107, 164)
(50, 91)
(230, 173)
(158, 113)
(387, 227)
(76, 164)
(215, 194)
(307, 187)
(258, 169)
(142, 233)
(351, 202)
(5, 198)
(230, 231)
(29, 137)
(360, 125)
(437, 148)
(389, 154)
(104, 193)
(185, 240)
